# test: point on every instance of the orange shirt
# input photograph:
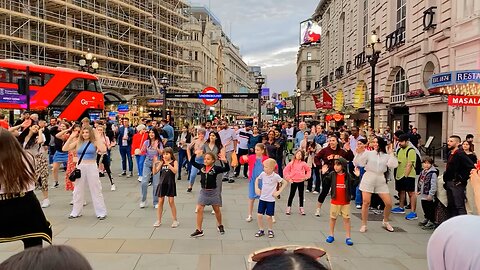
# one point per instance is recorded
(341, 192)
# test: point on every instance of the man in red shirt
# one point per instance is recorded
(339, 182)
(4, 121)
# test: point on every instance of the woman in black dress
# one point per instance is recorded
(167, 187)
(467, 148)
(21, 217)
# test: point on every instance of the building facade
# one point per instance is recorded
(214, 61)
(308, 72)
(419, 39)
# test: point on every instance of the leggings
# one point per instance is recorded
(105, 160)
(32, 242)
(293, 190)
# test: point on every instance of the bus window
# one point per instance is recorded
(76, 84)
(90, 85)
(39, 79)
(18, 74)
(4, 75)
(97, 85)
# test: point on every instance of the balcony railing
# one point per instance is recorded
(397, 98)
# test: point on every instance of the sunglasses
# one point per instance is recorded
(313, 252)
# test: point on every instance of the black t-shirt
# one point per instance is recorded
(58, 142)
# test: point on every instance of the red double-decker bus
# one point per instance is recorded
(58, 92)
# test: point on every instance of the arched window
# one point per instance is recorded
(400, 87)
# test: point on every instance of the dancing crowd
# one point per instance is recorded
(349, 164)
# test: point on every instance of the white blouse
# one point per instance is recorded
(375, 162)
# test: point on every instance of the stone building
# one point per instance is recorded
(419, 39)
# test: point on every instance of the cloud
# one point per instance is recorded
(266, 31)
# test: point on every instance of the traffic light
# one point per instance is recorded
(22, 86)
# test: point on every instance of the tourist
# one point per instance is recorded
(167, 168)
(137, 143)
(124, 140)
(153, 147)
(426, 190)
(195, 147)
(103, 161)
(297, 172)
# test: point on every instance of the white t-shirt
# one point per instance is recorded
(269, 186)
(289, 132)
(227, 136)
(125, 134)
(243, 136)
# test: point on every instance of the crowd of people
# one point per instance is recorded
(347, 163)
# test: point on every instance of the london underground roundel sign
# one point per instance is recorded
(210, 96)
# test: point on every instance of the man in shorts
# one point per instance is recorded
(405, 177)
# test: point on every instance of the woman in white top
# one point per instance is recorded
(32, 139)
(21, 217)
(376, 164)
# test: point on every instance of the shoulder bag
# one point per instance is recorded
(77, 173)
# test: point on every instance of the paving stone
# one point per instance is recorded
(109, 261)
(96, 245)
(380, 251)
(197, 246)
(130, 233)
(85, 232)
(146, 246)
(244, 247)
(378, 263)
(230, 262)
(168, 262)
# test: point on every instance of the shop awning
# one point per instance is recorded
(112, 97)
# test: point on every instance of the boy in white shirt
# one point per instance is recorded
(267, 191)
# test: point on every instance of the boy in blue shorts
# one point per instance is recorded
(266, 187)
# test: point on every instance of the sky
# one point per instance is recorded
(267, 32)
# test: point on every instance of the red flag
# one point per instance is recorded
(327, 100)
(318, 103)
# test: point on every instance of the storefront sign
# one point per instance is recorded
(155, 102)
(122, 108)
(464, 100)
(454, 77)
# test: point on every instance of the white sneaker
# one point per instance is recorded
(140, 179)
(249, 218)
(113, 188)
(84, 203)
(307, 191)
(315, 192)
(175, 224)
(317, 212)
(196, 210)
(45, 203)
(213, 212)
(157, 224)
(156, 206)
(142, 205)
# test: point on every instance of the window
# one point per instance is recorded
(309, 70)
(365, 24)
(39, 79)
(308, 85)
(401, 13)
(196, 55)
(4, 75)
(309, 56)
(400, 87)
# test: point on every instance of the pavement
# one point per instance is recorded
(126, 239)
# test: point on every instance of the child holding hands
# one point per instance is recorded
(268, 192)
(339, 182)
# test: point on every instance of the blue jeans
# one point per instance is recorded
(182, 159)
(147, 172)
(194, 171)
(140, 160)
(126, 155)
(358, 196)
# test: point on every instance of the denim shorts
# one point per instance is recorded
(266, 208)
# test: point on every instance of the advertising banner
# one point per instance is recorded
(11, 96)
(310, 32)
(318, 102)
(464, 100)
(327, 100)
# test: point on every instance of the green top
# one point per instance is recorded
(402, 162)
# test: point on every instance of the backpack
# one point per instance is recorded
(418, 161)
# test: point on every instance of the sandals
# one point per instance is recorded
(363, 228)
(387, 226)
(260, 233)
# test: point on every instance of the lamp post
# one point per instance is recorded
(88, 63)
(164, 82)
(259, 80)
(298, 93)
(372, 52)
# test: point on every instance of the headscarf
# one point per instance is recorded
(455, 244)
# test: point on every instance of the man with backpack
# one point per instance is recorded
(405, 177)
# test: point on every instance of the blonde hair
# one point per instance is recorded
(91, 135)
(269, 162)
(141, 127)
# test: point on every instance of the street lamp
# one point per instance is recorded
(372, 52)
(164, 82)
(88, 63)
(298, 93)
(259, 80)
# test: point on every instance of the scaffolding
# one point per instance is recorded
(132, 40)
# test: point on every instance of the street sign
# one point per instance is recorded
(182, 95)
(213, 95)
(240, 95)
(209, 101)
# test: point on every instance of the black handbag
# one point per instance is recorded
(77, 173)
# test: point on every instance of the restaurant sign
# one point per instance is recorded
(454, 77)
(463, 100)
